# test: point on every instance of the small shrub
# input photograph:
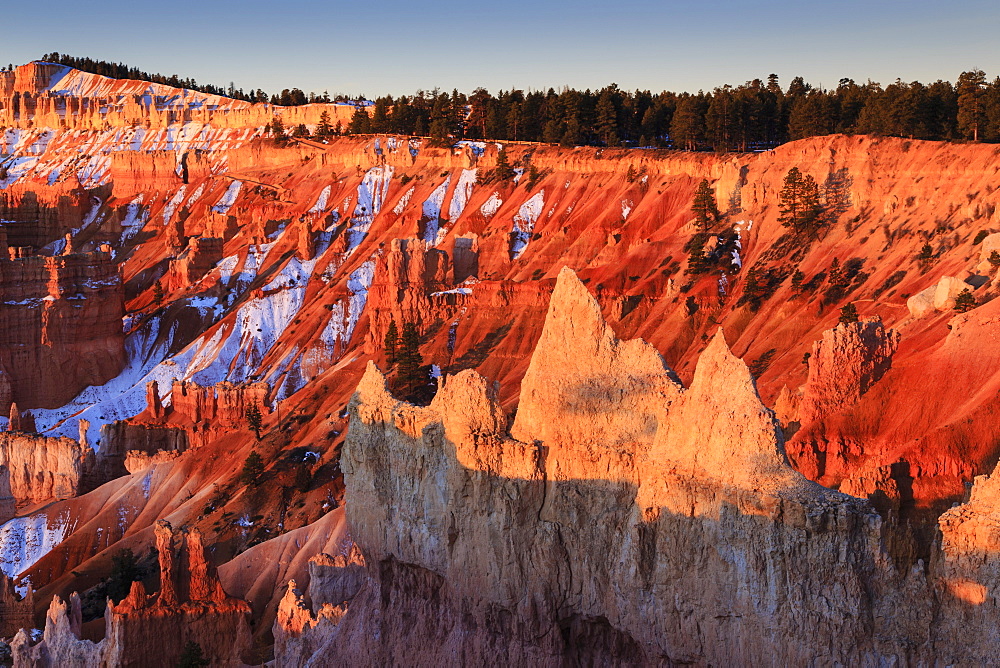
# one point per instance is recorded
(982, 234)
(192, 656)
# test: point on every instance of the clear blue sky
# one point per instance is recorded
(389, 46)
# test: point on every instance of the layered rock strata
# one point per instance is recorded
(42, 468)
(679, 536)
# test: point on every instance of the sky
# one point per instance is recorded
(395, 47)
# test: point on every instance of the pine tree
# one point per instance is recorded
(157, 292)
(705, 208)
(278, 132)
(324, 130)
(391, 341)
(124, 571)
(799, 203)
(965, 301)
(360, 121)
(254, 419)
(303, 478)
(192, 656)
(408, 358)
(971, 108)
(503, 171)
(253, 469)
(848, 314)
(607, 117)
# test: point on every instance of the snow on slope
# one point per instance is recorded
(463, 191)
(228, 198)
(321, 201)
(25, 540)
(135, 219)
(492, 205)
(334, 337)
(433, 233)
(403, 201)
(371, 195)
(524, 223)
(233, 350)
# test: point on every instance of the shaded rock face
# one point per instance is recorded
(222, 405)
(140, 441)
(200, 256)
(60, 327)
(696, 544)
(405, 277)
(142, 630)
(16, 612)
(301, 631)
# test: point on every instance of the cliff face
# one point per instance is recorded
(61, 326)
(698, 545)
(844, 365)
(47, 94)
(43, 468)
(16, 612)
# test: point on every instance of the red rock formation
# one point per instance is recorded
(43, 468)
(61, 643)
(844, 365)
(124, 439)
(8, 504)
(405, 276)
(201, 255)
(61, 326)
(142, 630)
(220, 406)
(301, 632)
(16, 612)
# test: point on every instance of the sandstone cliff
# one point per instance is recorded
(43, 468)
(704, 547)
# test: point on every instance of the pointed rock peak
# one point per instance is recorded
(718, 364)
(581, 375)
(720, 428)
(374, 388)
(572, 303)
(468, 402)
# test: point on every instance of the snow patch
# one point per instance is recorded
(228, 198)
(492, 205)
(524, 223)
(433, 233)
(403, 201)
(371, 195)
(25, 540)
(463, 191)
(322, 200)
